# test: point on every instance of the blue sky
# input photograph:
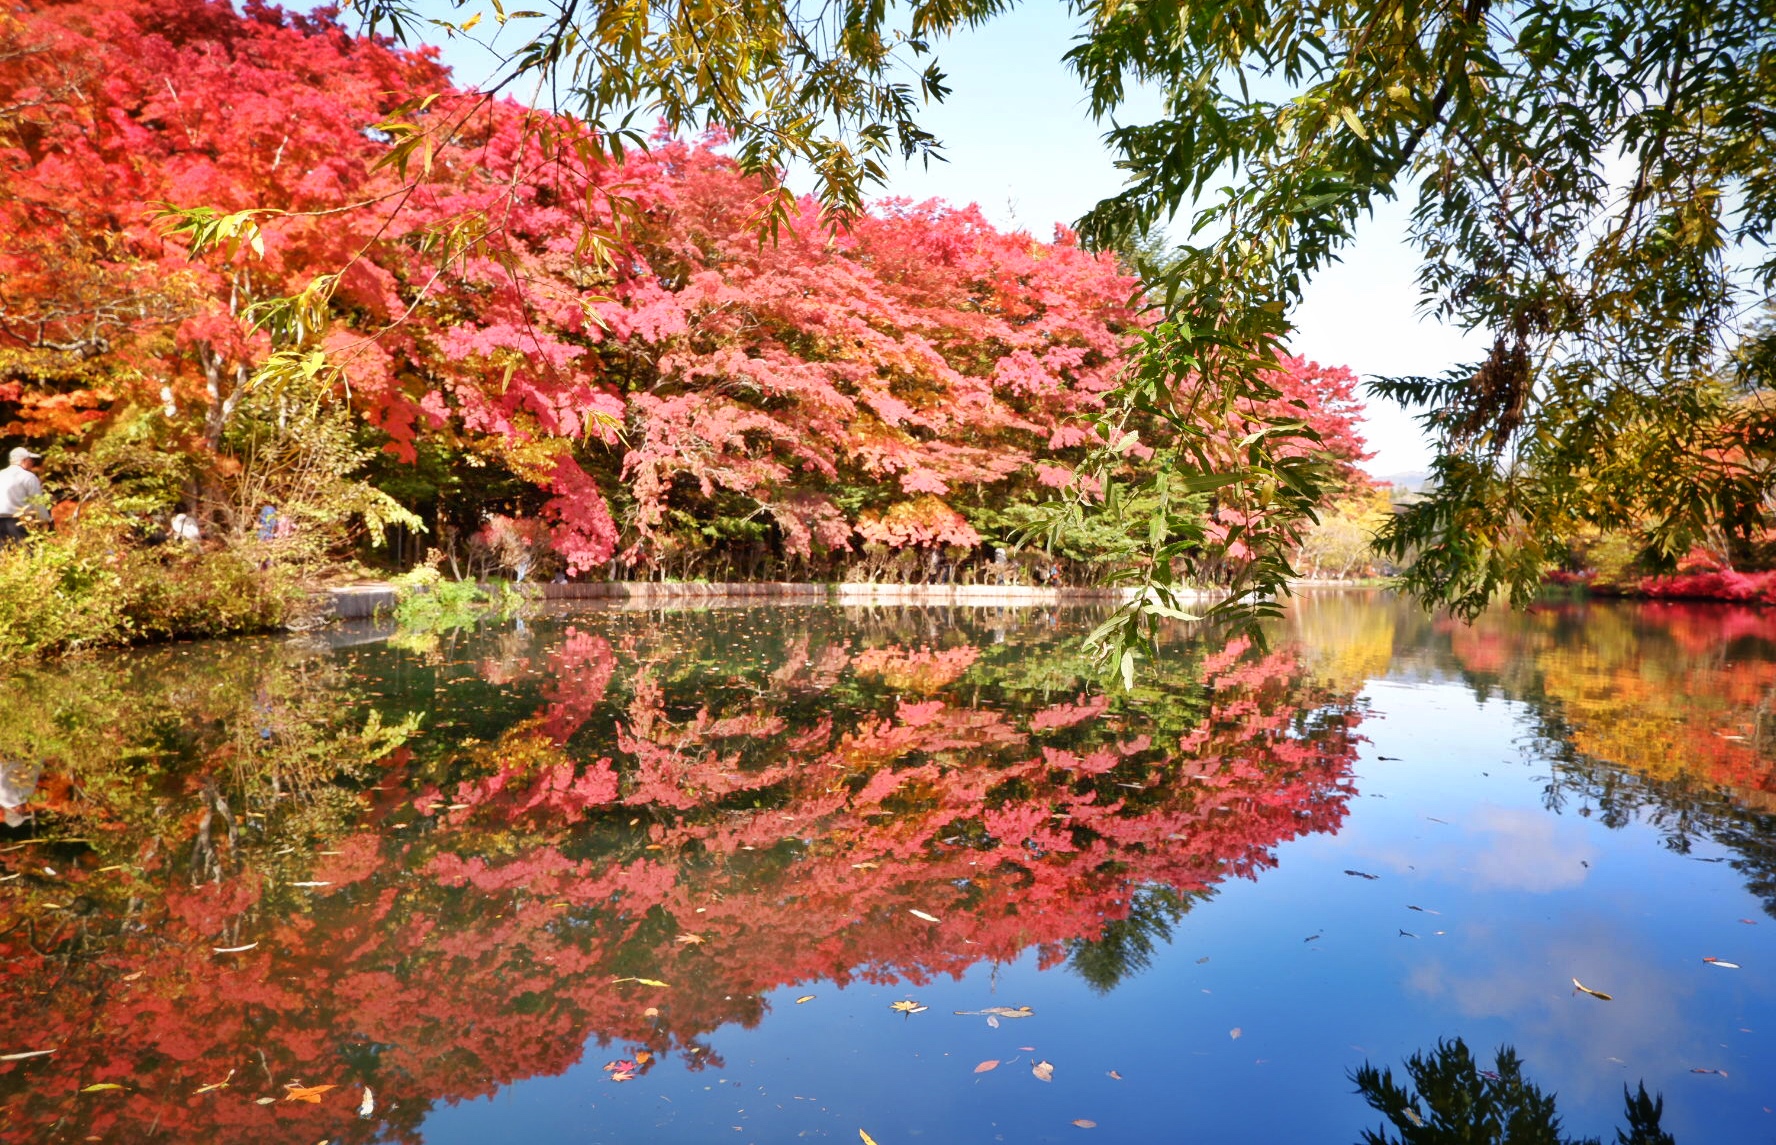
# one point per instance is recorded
(1020, 144)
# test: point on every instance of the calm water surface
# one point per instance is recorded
(730, 875)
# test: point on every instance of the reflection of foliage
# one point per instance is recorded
(1125, 947)
(453, 917)
(1659, 714)
(1458, 1103)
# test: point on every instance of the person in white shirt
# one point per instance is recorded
(20, 493)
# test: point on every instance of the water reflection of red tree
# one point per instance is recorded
(477, 925)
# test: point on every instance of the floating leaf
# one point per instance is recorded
(1362, 875)
(690, 939)
(867, 1139)
(23, 1056)
(1044, 1071)
(642, 981)
(619, 1067)
(98, 1086)
(1235, 1033)
(367, 1107)
(623, 1075)
(992, 1021)
(234, 949)
(923, 915)
(1699, 1069)
(215, 1085)
(642, 1057)
(1085, 1123)
(1723, 965)
(265, 1101)
(1115, 1075)
(804, 998)
(989, 1064)
(1412, 1116)
(1000, 1011)
(907, 1006)
(1594, 993)
(311, 884)
(308, 1093)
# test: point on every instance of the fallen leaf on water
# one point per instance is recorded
(234, 949)
(642, 1057)
(1722, 964)
(1699, 1069)
(1085, 1123)
(990, 1063)
(624, 1066)
(1310, 938)
(641, 981)
(311, 884)
(308, 1093)
(97, 1086)
(1594, 993)
(1000, 1011)
(1044, 1071)
(1412, 1116)
(907, 1006)
(1028, 1049)
(1202, 960)
(23, 1056)
(1235, 1033)
(865, 866)
(367, 1107)
(265, 1101)
(623, 1075)
(1422, 909)
(867, 1139)
(1115, 1075)
(215, 1085)
(1748, 921)
(923, 915)
(804, 998)
(1407, 934)
(690, 939)
(1362, 874)
(992, 1021)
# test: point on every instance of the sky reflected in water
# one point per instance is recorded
(609, 877)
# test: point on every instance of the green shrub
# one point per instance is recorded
(89, 585)
(427, 602)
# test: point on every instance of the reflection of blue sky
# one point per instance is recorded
(1501, 848)
(1309, 963)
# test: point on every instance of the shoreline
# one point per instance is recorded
(363, 601)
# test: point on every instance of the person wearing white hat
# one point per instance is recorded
(20, 493)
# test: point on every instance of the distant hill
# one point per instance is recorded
(1414, 480)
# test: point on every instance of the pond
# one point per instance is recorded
(900, 875)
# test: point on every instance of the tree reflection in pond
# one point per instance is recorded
(1663, 714)
(435, 869)
(1450, 1100)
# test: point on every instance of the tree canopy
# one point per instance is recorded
(1593, 192)
(377, 239)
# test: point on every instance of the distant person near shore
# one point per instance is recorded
(20, 493)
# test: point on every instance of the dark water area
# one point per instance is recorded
(784, 874)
